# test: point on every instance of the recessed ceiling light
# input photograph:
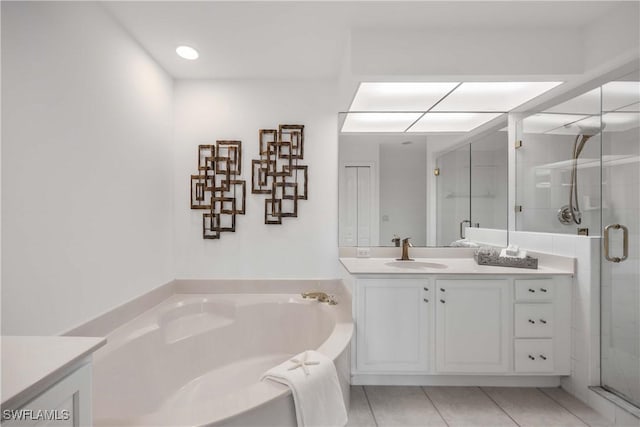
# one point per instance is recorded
(187, 52)
(399, 96)
(378, 122)
(492, 96)
(452, 122)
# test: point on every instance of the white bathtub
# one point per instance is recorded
(196, 359)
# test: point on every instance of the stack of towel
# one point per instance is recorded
(317, 395)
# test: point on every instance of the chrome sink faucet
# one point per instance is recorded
(321, 297)
(405, 250)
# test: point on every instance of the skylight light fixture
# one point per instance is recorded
(378, 122)
(551, 123)
(452, 122)
(399, 96)
(187, 52)
(492, 96)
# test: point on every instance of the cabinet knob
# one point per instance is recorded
(532, 321)
(426, 289)
(425, 300)
(543, 290)
(531, 290)
(441, 289)
(544, 322)
(531, 357)
(442, 301)
(543, 357)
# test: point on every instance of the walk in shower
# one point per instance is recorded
(578, 172)
(620, 272)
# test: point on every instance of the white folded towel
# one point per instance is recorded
(317, 395)
(520, 254)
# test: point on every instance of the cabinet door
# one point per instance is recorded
(392, 325)
(472, 318)
(67, 403)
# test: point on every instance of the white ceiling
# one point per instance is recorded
(306, 39)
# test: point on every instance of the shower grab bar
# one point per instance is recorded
(461, 228)
(625, 242)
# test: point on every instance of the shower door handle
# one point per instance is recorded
(461, 227)
(625, 242)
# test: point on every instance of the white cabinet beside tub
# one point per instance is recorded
(415, 330)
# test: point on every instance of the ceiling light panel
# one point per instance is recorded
(587, 103)
(492, 96)
(378, 122)
(620, 95)
(544, 122)
(452, 122)
(399, 96)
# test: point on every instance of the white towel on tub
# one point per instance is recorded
(317, 395)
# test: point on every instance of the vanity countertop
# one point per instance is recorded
(31, 363)
(562, 266)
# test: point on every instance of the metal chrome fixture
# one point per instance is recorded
(570, 213)
(320, 297)
(625, 242)
(405, 250)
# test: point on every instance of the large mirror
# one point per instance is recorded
(440, 190)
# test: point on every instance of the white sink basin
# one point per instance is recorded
(415, 265)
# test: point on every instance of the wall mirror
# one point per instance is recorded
(447, 189)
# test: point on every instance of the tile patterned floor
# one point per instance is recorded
(468, 406)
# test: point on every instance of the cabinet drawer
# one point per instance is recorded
(534, 320)
(534, 355)
(534, 290)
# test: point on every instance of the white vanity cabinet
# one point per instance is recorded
(439, 329)
(393, 318)
(472, 319)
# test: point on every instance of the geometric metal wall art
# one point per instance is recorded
(278, 172)
(217, 188)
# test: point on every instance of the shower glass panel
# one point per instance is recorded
(489, 187)
(558, 168)
(620, 272)
(453, 194)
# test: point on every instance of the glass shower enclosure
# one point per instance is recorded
(620, 268)
(578, 172)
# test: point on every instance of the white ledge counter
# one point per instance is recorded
(547, 266)
(32, 366)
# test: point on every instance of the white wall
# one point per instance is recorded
(303, 247)
(86, 167)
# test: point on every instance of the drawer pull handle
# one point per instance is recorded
(442, 301)
(531, 290)
(543, 357)
(426, 289)
(543, 290)
(531, 357)
(544, 322)
(532, 321)
(425, 300)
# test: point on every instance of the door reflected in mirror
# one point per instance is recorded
(383, 190)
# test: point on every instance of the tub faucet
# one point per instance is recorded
(405, 250)
(321, 297)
